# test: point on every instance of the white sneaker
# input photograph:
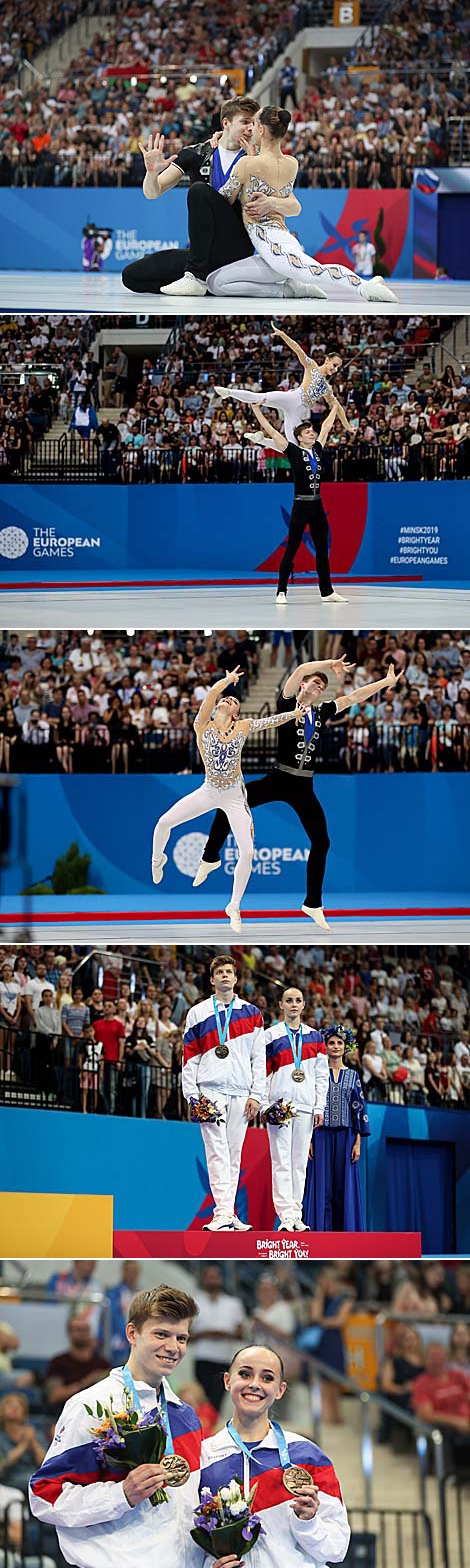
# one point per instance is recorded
(239, 1224)
(204, 870)
(234, 918)
(289, 1228)
(188, 284)
(303, 291)
(334, 598)
(377, 290)
(299, 1225)
(316, 915)
(222, 1224)
(157, 868)
(281, 598)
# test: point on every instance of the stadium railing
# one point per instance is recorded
(67, 460)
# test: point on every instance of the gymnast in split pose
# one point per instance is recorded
(272, 173)
(221, 736)
(295, 404)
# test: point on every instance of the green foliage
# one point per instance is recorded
(70, 875)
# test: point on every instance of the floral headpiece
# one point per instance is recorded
(346, 1035)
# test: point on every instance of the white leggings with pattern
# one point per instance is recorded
(208, 798)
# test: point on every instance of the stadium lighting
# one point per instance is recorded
(163, 81)
(223, 81)
(133, 81)
(193, 79)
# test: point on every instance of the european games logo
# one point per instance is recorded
(13, 543)
(187, 853)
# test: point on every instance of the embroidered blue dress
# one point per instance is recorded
(333, 1198)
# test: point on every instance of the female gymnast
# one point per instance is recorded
(272, 173)
(220, 740)
(333, 1198)
(296, 404)
(299, 1498)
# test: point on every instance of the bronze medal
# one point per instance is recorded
(177, 1469)
(295, 1478)
(298, 1075)
(222, 1050)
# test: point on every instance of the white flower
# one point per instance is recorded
(237, 1507)
(225, 1493)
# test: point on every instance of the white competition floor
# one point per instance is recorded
(93, 292)
(106, 606)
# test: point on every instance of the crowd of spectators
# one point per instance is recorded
(105, 1032)
(94, 702)
(419, 1353)
(373, 115)
(371, 119)
(158, 416)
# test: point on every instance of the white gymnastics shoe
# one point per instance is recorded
(239, 1224)
(204, 870)
(377, 290)
(281, 598)
(157, 868)
(188, 284)
(234, 918)
(334, 598)
(299, 1225)
(316, 915)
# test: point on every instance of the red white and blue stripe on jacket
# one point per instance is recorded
(79, 1465)
(268, 1472)
(279, 1049)
(201, 1034)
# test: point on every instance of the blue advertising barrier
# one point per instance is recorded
(61, 533)
(396, 834)
(42, 230)
(47, 1151)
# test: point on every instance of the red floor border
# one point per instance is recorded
(66, 916)
(203, 582)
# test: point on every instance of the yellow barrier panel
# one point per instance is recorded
(346, 13)
(360, 1340)
(56, 1225)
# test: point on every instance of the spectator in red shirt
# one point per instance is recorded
(111, 1034)
(441, 1396)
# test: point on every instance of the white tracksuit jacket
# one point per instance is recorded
(288, 1541)
(243, 1071)
(95, 1524)
(312, 1094)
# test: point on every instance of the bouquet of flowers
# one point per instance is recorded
(280, 1113)
(124, 1439)
(204, 1110)
(224, 1523)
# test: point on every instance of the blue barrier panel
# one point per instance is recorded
(64, 532)
(43, 229)
(46, 1151)
(405, 833)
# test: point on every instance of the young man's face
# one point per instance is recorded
(239, 126)
(311, 691)
(223, 979)
(158, 1347)
(307, 437)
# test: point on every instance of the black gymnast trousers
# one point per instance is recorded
(307, 513)
(295, 790)
(217, 235)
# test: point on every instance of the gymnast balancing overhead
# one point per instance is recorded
(295, 404)
(220, 739)
(273, 174)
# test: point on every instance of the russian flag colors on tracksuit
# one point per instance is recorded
(288, 1541)
(95, 1524)
(289, 1145)
(243, 1071)
(230, 1081)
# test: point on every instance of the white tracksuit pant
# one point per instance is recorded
(289, 1148)
(223, 1146)
(208, 798)
(285, 259)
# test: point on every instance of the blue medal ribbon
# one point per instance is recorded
(296, 1048)
(161, 1406)
(283, 1451)
(223, 1029)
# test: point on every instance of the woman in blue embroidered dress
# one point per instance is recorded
(220, 736)
(333, 1198)
(273, 173)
